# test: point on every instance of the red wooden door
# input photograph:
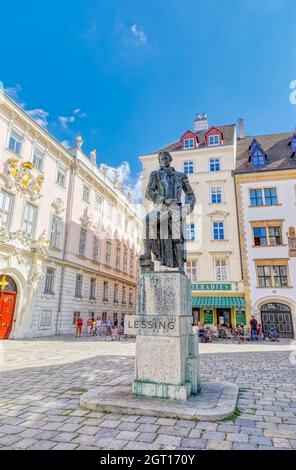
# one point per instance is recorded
(7, 301)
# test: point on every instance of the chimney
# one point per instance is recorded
(201, 122)
(240, 128)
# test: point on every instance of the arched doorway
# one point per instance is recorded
(278, 315)
(8, 292)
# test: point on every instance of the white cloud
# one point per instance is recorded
(40, 116)
(141, 36)
(66, 120)
(65, 143)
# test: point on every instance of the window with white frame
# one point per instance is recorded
(188, 167)
(218, 230)
(55, 232)
(125, 261)
(15, 143)
(49, 281)
(96, 249)
(6, 205)
(118, 257)
(86, 192)
(38, 159)
(61, 176)
(45, 319)
(82, 242)
(214, 140)
(29, 221)
(216, 195)
(192, 270)
(215, 164)
(98, 202)
(78, 285)
(105, 290)
(92, 293)
(190, 232)
(188, 144)
(221, 270)
(108, 253)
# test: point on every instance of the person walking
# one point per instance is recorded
(94, 327)
(109, 326)
(88, 327)
(253, 324)
(79, 324)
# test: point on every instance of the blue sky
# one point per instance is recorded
(130, 75)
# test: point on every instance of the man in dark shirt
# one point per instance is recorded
(253, 323)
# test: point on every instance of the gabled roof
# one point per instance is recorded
(275, 146)
(228, 139)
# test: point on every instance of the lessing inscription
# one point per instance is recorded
(154, 324)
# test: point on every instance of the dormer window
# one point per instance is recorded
(257, 156)
(292, 144)
(214, 140)
(189, 140)
(188, 144)
(214, 137)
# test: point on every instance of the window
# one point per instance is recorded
(190, 232)
(272, 274)
(260, 238)
(92, 294)
(188, 144)
(29, 220)
(220, 270)
(216, 195)
(75, 316)
(214, 140)
(118, 258)
(123, 294)
(98, 202)
(125, 262)
(104, 317)
(215, 164)
(96, 249)
(110, 210)
(258, 159)
(6, 203)
(132, 265)
(115, 293)
(86, 193)
(78, 285)
(130, 297)
(15, 143)
(61, 176)
(270, 196)
(45, 319)
(49, 281)
(38, 159)
(188, 167)
(55, 232)
(275, 236)
(108, 253)
(191, 269)
(115, 318)
(105, 291)
(218, 231)
(82, 242)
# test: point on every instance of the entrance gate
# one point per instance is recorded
(8, 292)
(280, 316)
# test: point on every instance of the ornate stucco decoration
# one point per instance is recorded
(58, 206)
(20, 242)
(22, 177)
(35, 275)
(86, 219)
(292, 241)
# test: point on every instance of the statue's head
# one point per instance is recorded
(164, 158)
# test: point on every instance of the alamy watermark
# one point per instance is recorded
(293, 353)
(293, 93)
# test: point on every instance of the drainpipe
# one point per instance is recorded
(66, 240)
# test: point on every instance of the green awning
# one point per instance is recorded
(218, 301)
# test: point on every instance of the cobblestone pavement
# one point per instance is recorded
(41, 382)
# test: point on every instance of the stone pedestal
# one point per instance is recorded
(167, 364)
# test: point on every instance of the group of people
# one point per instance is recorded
(97, 327)
(207, 334)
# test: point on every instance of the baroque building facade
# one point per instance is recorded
(207, 155)
(266, 195)
(69, 236)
